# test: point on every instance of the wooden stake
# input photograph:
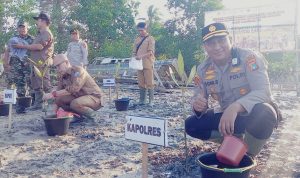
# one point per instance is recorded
(9, 116)
(144, 160)
(117, 90)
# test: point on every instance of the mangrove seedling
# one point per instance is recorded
(183, 87)
(40, 69)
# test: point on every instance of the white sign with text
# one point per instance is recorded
(109, 82)
(147, 130)
(10, 96)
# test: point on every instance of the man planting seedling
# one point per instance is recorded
(77, 91)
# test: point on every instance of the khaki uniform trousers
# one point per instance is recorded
(145, 78)
(79, 105)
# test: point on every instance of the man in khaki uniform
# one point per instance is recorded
(144, 49)
(41, 52)
(77, 52)
(237, 79)
(77, 91)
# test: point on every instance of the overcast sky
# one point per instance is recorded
(228, 4)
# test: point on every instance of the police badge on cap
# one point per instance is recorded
(214, 29)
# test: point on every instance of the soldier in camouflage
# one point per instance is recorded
(15, 62)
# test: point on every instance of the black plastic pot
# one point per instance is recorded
(122, 104)
(24, 101)
(4, 109)
(212, 168)
(55, 126)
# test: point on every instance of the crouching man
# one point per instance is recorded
(77, 91)
(238, 80)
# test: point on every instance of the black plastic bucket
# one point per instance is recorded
(4, 109)
(212, 168)
(122, 104)
(24, 101)
(55, 126)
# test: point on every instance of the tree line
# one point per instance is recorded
(108, 26)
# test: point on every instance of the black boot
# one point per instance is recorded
(143, 96)
(38, 102)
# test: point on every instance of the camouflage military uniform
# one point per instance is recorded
(19, 74)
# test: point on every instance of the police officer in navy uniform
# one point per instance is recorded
(238, 80)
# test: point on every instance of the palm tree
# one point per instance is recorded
(153, 15)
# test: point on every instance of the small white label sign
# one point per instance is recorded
(147, 130)
(10, 96)
(109, 82)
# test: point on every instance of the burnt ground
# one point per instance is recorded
(102, 151)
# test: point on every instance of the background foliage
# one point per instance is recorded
(108, 26)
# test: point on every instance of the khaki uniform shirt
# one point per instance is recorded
(77, 53)
(45, 38)
(79, 83)
(147, 46)
(244, 80)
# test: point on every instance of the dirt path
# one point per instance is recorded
(284, 160)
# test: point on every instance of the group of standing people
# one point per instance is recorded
(23, 48)
(17, 66)
(76, 91)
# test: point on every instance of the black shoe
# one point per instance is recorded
(77, 119)
(88, 119)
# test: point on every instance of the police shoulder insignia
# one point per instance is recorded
(251, 63)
